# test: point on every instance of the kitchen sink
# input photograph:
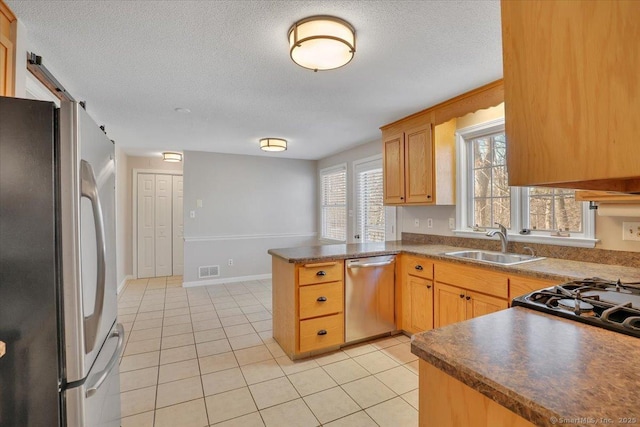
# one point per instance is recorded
(494, 257)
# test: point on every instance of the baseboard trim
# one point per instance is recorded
(225, 280)
(124, 282)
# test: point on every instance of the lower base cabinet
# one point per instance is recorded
(445, 401)
(421, 308)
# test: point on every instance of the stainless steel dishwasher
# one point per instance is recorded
(369, 297)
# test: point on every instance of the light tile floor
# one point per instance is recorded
(205, 356)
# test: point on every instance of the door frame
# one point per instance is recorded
(390, 211)
(134, 208)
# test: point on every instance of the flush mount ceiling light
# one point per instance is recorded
(182, 110)
(322, 42)
(273, 144)
(171, 157)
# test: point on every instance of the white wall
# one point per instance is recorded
(360, 152)
(122, 217)
(249, 204)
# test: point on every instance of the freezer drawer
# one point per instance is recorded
(369, 297)
(96, 403)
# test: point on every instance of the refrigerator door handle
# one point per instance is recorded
(100, 377)
(88, 189)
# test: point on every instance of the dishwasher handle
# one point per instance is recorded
(370, 264)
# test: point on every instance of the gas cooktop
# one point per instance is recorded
(603, 303)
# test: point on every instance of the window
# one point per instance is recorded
(491, 201)
(485, 198)
(333, 194)
(370, 211)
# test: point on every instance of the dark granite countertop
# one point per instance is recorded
(549, 268)
(540, 366)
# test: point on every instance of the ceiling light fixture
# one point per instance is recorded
(273, 144)
(322, 42)
(168, 156)
(182, 110)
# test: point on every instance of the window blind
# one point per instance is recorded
(371, 211)
(333, 183)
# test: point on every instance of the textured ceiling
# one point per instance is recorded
(134, 62)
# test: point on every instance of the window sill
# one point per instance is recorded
(576, 242)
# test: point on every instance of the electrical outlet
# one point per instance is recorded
(429, 222)
(230, 262)
(631, 231)
(198, 203)
(452, 223)
(192, 214)
(416, 222)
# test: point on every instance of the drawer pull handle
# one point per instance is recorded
(321, 273)
(461, 295)
(321, 299)
(322, 332)
(419, 268)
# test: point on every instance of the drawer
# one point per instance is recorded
(523, 285)
(418, 266)
(321, 272)
(320, 300)
(472, 278)
(321, 332)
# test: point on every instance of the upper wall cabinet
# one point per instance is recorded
(419, 150)
(572, 93)
(7, 45)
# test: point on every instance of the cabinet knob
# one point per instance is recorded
(321, 299)
(321, 273)
(419, 268)
(428, 286)
(322, 332)
(468, 298)
(461, 295)
(401, 198)
(428, 197)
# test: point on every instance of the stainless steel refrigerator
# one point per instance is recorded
(58, 302)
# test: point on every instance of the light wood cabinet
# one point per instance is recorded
(571, 97)
(450, 306)
(519, 285)
(308, 306)
(463, 292)
(408, 165)
(416, 275)
(7, 46)
(421, 307)
(606, 197)
(445, 401)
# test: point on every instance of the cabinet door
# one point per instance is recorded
(419, 165)
(567, 79)
(393, 168)
(480, 304)
(449, 305)
(421, 291)
(523, 285)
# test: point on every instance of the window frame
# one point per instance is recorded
(342, 167)
(519, 198)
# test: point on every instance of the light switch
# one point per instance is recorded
(199, 203)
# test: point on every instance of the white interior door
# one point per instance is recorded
(178, 227)
(164, 223)
(146, 226)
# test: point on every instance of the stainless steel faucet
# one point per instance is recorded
(504, 239)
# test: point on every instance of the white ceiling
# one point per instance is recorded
(134, 62)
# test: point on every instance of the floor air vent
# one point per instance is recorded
(208, 271)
